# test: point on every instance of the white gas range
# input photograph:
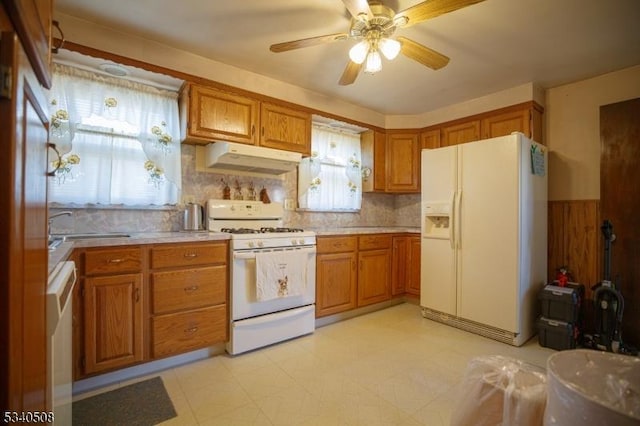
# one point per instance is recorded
(272, 273)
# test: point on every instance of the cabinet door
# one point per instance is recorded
(336, 283)
(23, 247)
(403, 173)
(285, 128)
(413, 268)
(374, 276)
(430, 139)
(399, 271)
(460, 133)
(505, 123)
(379, 162)
(217, 115)
(113, 321)
(32, 21)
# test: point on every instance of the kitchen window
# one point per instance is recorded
(118, 141)
(331, 178)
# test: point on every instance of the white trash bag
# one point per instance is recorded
(498, 390)
(588, 387)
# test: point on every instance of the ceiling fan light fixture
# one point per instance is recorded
(358, 53)
(389, 48)
(374, 62)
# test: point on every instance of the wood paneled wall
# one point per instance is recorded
(574, 240)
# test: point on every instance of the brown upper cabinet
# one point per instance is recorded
(525, 118)
(430, 139)
(403, 162)
(208, 114)
(285, 128)
(453, 134)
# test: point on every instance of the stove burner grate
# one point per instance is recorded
(270, 230)
(240, 230)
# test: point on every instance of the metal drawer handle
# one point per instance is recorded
(192, 288)
(191, 255)
(191, 330)
(115, 260)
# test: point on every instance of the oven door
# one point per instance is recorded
(244, 301)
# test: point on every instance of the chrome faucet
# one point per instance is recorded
(53, 216)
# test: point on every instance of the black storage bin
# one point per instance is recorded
(558, 335)
(562, 303)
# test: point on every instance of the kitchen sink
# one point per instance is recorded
(89, 235)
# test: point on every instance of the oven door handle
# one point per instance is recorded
(252, 254)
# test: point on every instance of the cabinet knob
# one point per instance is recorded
(191, 330)
(191, 289)
(191, 255)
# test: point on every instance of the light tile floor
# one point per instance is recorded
(390, 367)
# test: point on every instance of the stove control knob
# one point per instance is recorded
(260, 244)
(251, 244)
(294, 242)
(301, 241)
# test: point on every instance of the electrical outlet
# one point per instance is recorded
(289, 204)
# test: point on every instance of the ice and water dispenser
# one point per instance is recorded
(437, 217)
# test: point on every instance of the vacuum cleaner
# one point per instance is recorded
(608, 306)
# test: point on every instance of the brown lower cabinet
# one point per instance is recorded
(139, 303)
(113, 321)
(406, 265)
(413, 281)
(374, 269)
(355, 271)
(336, 275)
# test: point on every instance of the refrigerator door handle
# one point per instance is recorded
(458, 218)
(452, 209)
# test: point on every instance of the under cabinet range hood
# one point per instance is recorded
(228, 156)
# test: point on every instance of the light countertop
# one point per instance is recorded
(63, 251)
(357, 230)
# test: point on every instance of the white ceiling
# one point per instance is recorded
(493, 45)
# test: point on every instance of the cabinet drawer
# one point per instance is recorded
(188, 255)
(188, 288)
(113, 261)
(185, 331)
(371, 242)
(336, 244)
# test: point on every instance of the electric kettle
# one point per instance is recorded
(193, 217)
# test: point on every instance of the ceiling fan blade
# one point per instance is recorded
(427, 57)
(306, 42)
(350, 73)
(358, 7)
(430, 9)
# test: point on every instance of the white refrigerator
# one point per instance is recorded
(484, 236)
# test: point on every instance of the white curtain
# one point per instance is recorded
(119, 140)
(331, 179)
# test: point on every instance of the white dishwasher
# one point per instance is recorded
(59, 329)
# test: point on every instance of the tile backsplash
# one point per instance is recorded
(377, 209)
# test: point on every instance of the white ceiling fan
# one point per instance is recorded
(374, 24)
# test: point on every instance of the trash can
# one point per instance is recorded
(588, 387)
(498, 390)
